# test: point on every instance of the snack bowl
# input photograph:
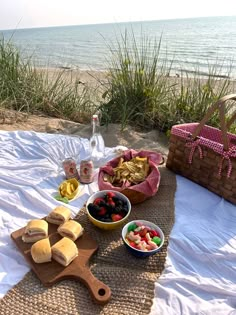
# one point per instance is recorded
(69, 188)
(117, 208)
(119, 176)
(132, 246)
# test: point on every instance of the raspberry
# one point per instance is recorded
(111, 203)
(97, 201)
(102, 211)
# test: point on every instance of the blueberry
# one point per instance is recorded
(115, 198)
(125, 210)
(117, 209)
(109, 207)
(120, 203)
(92, 207)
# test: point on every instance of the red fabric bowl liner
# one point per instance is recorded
(148, 187)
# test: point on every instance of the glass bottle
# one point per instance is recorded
(97, 145)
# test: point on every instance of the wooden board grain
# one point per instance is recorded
(52, 272)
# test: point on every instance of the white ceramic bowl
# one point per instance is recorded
(137, 252)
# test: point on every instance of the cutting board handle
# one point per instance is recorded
(101, 293)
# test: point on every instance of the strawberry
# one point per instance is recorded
(116, 217)
(110, 194)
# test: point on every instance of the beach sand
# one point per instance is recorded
(113, 135)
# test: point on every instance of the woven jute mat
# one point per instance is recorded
(130, 279)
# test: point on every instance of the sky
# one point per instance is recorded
(43, 13)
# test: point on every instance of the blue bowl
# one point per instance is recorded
(141, 253)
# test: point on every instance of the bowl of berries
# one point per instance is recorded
(108, 209)
(142, 238)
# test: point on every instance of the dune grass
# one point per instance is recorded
(24, 88)
(136, 82)
(140, 92)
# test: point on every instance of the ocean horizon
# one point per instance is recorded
(193, 45)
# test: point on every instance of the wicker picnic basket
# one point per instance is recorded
(207, 155)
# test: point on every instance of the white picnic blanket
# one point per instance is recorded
(200, 271)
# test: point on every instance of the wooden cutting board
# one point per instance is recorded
(52, 272)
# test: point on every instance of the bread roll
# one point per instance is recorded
(71, 229)
(64, 251)
(41, 251)
(35, 230)
(59, 215)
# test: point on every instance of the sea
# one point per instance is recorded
(197, 45)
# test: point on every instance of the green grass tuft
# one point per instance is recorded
(24, 88)
(140, 91)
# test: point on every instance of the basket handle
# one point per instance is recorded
(220, 105)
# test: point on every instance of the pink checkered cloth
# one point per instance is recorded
(148, 187)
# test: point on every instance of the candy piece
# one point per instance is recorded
(156, 240)
(149, 247)
(143, 232)
(137, 241)
(138, 229)
(148, 237)
(153, 245)
(132, 227)
(132, 244)
(155, 233)
(133, 237)
(142, 246)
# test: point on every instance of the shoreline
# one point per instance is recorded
(184, 74)
(93, 79)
